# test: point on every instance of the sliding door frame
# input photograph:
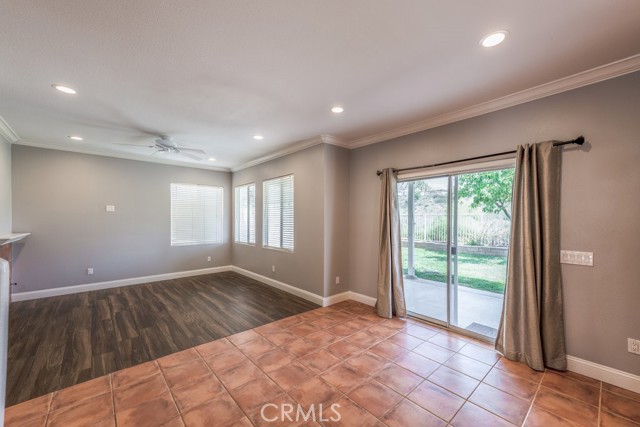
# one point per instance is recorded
(450, 172)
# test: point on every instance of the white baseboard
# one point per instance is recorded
(334, 299)
(604, 373)
(309, 296)
(364, 299)
(44, 293)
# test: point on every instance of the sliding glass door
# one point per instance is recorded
(455, 234)
(424, 206)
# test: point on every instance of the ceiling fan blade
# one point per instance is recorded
(158, 153)
(193, 150)
(135, 145)
(191, 156)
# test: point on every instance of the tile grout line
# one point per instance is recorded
(553, 390)
(571, 397)
(214, 374)
(318, 375)
(225, 387)
(285, 392)
(166, 383)
(600, 405)
(113, 400)
(371, 377)
(439, 332)
(465, 399)
(480, 382)
(535, 395)
(46, 418)
(403, 330)
(345, 360)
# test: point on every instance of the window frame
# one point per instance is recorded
(249, 216)
(265, 219)
(218, 215)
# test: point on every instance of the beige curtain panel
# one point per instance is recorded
(532, 325)
(390, 282)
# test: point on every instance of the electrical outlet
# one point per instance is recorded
(90, 271)
(337, 280)
(110, 208)
(209, 258)
(634, 346)
(273, 268)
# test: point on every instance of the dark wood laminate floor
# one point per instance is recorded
(61, 341)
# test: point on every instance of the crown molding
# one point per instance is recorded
(584, 78)
(294, 148)
(7, 133)
(139, 158)
(334, 140)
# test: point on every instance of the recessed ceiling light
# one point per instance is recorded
(494, 38)
(212, 159)
(76, 138)
(258, 137)
(337, 110)
(64, 89)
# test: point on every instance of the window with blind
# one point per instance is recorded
(196, 214)
(277, 214)
(245, 214)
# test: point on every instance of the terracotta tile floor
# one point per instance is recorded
(391, 373)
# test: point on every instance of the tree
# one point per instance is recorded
(426, 198)
(489, 190)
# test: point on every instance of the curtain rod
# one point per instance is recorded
(578, 141)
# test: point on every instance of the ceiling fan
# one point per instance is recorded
(166, 144)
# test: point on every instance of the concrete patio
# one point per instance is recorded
(429, 298)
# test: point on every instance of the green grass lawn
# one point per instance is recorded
(484, 272)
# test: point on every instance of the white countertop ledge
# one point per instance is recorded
(13, 237)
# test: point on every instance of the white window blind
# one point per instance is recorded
(277, 215)
(196, 214)
(245, 214)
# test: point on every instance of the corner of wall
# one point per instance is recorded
(336, 219)
(6, 205)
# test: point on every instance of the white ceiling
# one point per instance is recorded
(214, 73)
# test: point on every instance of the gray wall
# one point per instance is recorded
(304, 267)
(60, 198)
(336, 219)
(5, 187)
(600, 202)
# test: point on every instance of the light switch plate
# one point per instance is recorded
(576, 258)
(111, 208)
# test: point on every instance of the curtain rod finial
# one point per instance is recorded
(579, 140)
